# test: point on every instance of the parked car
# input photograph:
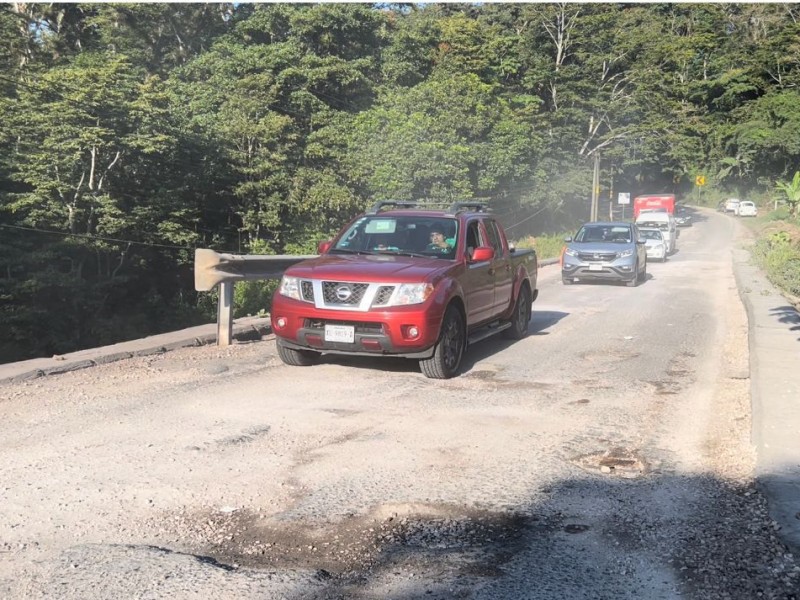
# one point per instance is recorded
(606, 251)
(731, 205)
(747, 209)
(655, 244)
(682, 217)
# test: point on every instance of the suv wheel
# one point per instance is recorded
(635, 281)
(449, 349)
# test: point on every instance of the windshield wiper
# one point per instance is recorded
(349, 251)
(401, 253)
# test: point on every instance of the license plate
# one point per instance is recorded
(340, 333)
(595, 267)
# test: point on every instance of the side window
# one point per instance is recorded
(473, 236)
(494, 237)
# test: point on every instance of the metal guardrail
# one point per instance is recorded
(212, 268)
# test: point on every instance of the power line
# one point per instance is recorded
(95, 237)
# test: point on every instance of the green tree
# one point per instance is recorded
(791, 191)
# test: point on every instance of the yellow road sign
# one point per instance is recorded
(700, 180)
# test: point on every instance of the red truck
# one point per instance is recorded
(654, 202)
(406, 280)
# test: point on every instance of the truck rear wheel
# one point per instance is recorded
(449, 349)
(297, 358)
(521, 316)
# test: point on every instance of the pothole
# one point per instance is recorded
(480, 540)
(617, 462)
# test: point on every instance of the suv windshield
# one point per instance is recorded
(620, 234)
(414, 235)
(651, 234)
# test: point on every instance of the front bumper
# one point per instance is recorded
(302, 326)
(657, 252)
(622, 269)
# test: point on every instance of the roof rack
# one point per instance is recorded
(474, 205)
(389, 204)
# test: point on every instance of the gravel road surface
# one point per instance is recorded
(607, 455)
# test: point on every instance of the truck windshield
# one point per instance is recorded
(404, 235)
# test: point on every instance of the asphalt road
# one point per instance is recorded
(607, 455)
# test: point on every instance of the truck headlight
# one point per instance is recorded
(624, 253)
(290, 287)
(411, 293)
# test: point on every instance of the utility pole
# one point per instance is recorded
(611, 196)
(595, 187)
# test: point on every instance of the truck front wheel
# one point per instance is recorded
(449, 349)
(521, 316)
(297, 358)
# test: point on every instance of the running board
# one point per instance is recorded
(488, 331)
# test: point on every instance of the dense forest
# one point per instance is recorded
(133, 133)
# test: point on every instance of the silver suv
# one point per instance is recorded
(605, 251)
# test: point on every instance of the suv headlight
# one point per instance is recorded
(571, 251)
(290, 287)
(625, 253)
(411, 293)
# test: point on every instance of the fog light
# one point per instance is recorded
(410, 332)
(280, 322)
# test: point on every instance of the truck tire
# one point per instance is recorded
(449, 348)
(521, 316)
(297, 358)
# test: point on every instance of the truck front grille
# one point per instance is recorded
(346, 293)
(307, 289)
(383, 295)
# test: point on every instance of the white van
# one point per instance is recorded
(663, 221)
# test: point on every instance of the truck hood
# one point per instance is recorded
(375, 268)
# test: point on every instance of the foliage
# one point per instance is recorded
(779, 256)
(791, 192)
(546, 246)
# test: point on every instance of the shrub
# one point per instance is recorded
(779, 255)
(546, 246)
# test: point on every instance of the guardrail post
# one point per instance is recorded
(225, 314)
(212, 269)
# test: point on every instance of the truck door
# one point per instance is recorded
(478, 278)
(503, 275)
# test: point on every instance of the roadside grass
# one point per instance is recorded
(546, 246)
(777, 251)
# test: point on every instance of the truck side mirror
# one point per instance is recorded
(323, 247)
(482, 253)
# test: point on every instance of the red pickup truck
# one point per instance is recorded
(406, 280)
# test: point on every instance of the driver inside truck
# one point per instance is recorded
(438, 242)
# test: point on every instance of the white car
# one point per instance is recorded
(655, 244)
(731, 205)
(663, 221)
(747, 209)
